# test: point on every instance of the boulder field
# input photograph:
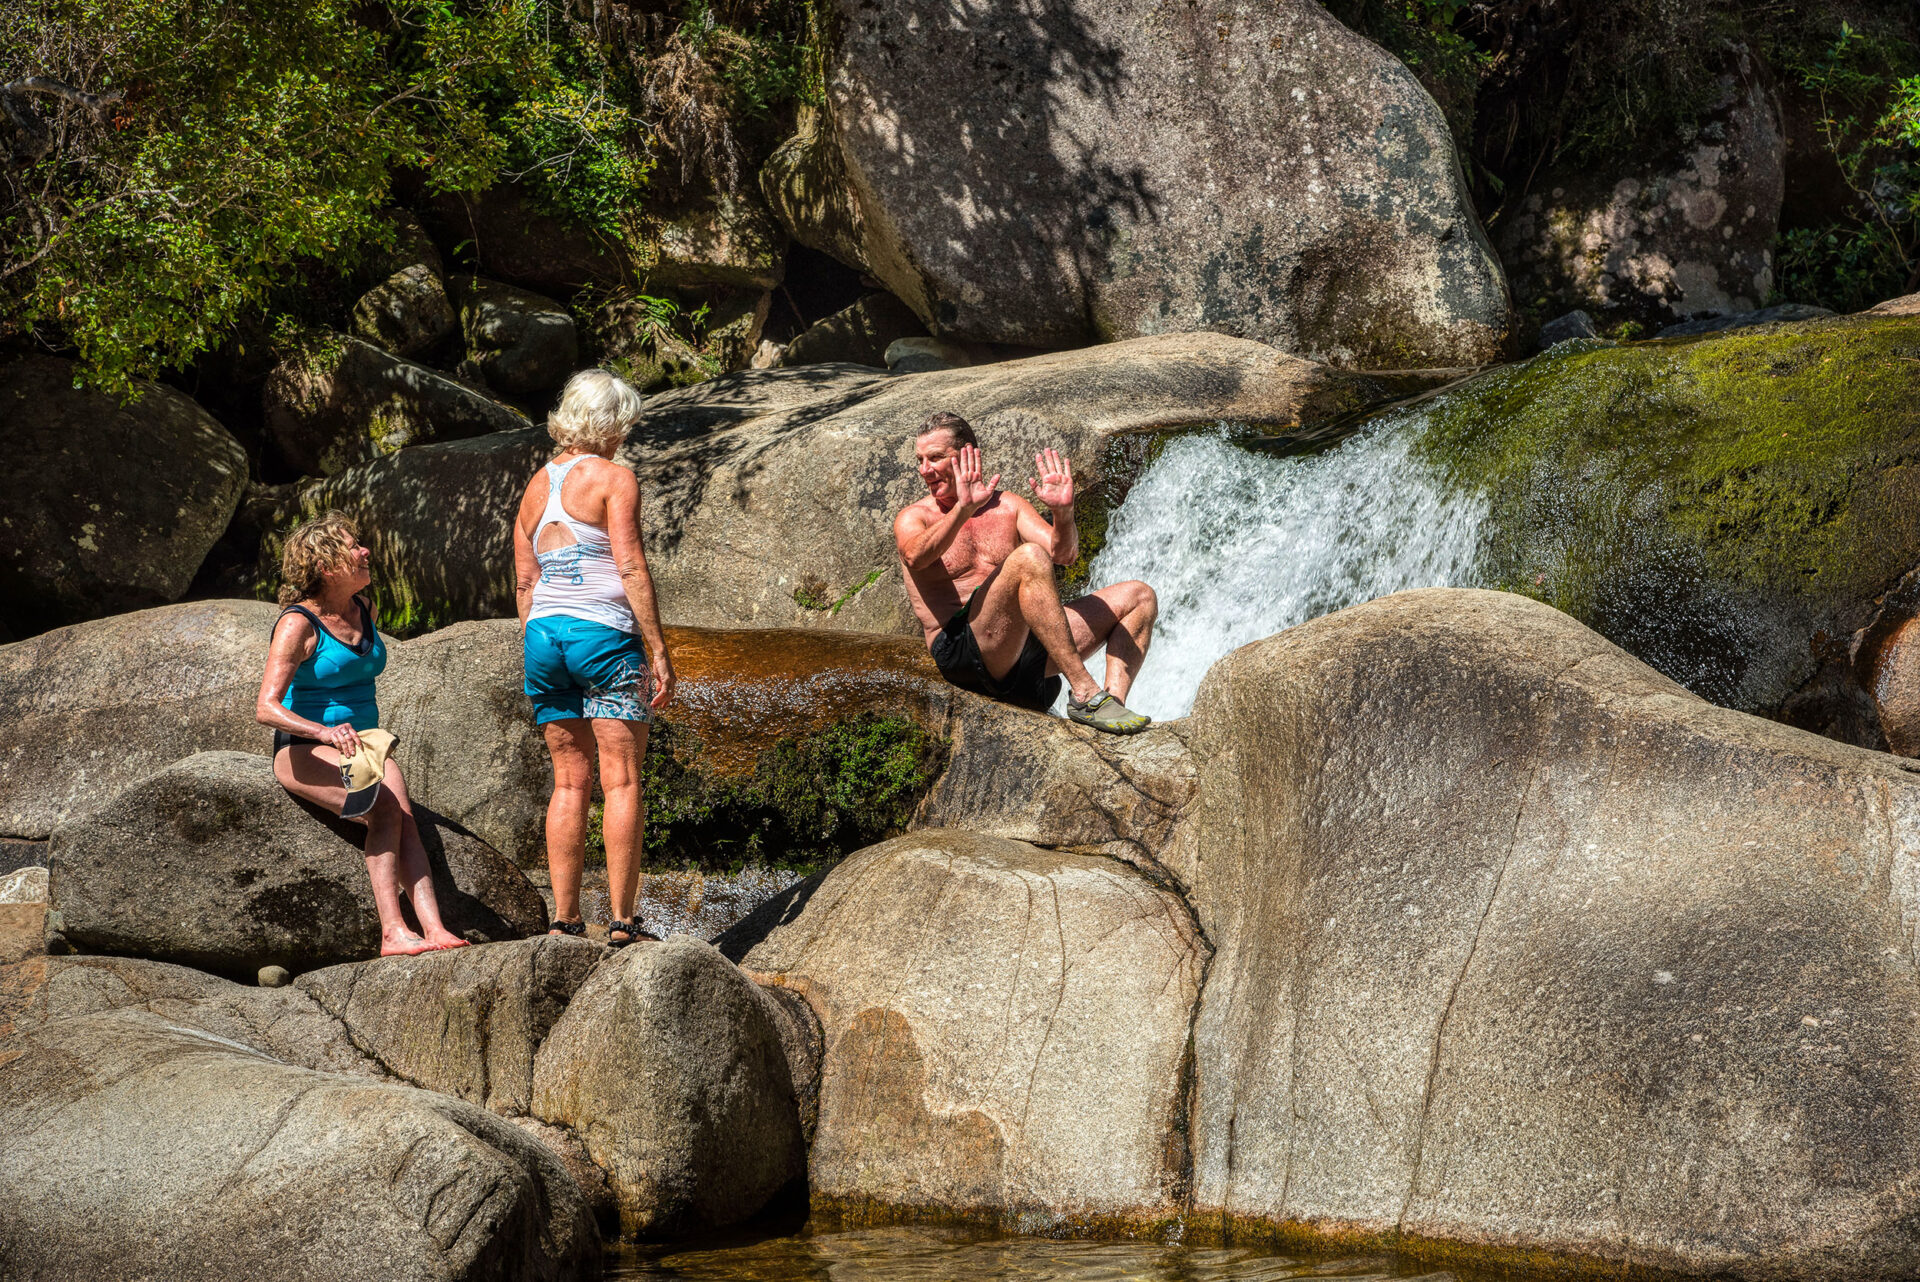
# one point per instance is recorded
(1441, 925)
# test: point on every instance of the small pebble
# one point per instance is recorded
(275, 977)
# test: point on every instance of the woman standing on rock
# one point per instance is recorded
(586, 606)
(318, 688)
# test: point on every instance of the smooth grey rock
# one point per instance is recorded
(130, 1146)
(345, 401)
(669, 1067)
(922, 355)
(1005, 1033)
(104, 506)
(861, 334)
(282, 1022)
(1120, 168)
(1905, 305)
(1561, 329)
(523, 343)
(1524, 952)
(24, 886)
(210, 863)
(466, 1022)
(1745, 320)
(407, 314)
(1686, 234)
(108, 702)
(274, 977)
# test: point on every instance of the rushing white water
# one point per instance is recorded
(1240, 544)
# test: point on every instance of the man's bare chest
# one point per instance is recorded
(981, 546)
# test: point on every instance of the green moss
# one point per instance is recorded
(808, 802)
(1704, 490)
(812, 594)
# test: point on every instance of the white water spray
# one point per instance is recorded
(1240, 544)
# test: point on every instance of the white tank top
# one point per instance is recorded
(579, 580)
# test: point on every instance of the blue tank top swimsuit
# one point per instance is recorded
(335, 685)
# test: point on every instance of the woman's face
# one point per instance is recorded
(356, 573)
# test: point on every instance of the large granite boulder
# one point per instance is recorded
(109, 702)
(725, 465)
(522, 342)
(1005, 1034)
(859, 334)
(510, 238)
(408, 313)
(131, 1146)
(1526, 955)
(1096, 171)
(211, 864)
(668, 1065)
(105, 506)
(467, 1022)
(1677, 237)
(343, 401)
(1729, 508)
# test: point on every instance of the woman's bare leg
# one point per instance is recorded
(312, 772)
(571, 745)
(622, 746)
(415, 873)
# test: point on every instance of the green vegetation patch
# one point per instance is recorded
(809, 801)
(1706, 490)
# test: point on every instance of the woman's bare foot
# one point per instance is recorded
(438, 939)
(403, 943)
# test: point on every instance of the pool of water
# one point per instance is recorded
(944, 1255)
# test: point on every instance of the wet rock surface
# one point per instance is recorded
(105, 506)
(210, 863)
(1004, 1031)
(670, 1069)
(1510, 928)
(1122, 169)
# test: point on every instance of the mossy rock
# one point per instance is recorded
(1727, 508)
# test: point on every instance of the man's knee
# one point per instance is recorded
(1030, 559)
(1144, 600)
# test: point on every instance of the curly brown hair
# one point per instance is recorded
(313, 549)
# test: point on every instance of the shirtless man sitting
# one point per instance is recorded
(979, 568)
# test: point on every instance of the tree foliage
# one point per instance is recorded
(238, 145)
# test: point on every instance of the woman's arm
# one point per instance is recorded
(293, 643)
(630, 557)
(526, 565)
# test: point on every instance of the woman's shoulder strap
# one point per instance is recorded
(312, 619)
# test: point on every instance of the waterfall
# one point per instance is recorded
(1240, 543)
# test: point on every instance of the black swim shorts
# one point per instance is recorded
(957, 655)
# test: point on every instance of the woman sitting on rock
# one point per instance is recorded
(318, 696)
(583, 593)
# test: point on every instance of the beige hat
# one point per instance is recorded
(361, 773)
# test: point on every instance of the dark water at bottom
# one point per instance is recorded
(943, 1255)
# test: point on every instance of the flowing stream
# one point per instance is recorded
(1240, 543)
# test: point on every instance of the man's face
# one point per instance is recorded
(931, 454)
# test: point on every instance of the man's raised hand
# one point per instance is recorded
(969, 490)
(1054, 485)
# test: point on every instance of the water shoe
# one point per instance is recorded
(1106, 713)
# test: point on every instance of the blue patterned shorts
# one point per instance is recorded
(579, 668)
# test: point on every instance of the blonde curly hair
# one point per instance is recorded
(596, 409)
(314, 549)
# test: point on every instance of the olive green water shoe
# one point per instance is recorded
(1104, 712)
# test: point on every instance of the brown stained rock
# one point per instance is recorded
(23, 931)
(669, 1068)
(109, 702)
(1114, 168)
(1894, 682)
(1526, 955)
(130, 1146)
(210, 863)
(465, 1023)
(1005, 1030)
(105, 506)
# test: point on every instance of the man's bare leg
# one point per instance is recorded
(1022, 598)
(1120, 617)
